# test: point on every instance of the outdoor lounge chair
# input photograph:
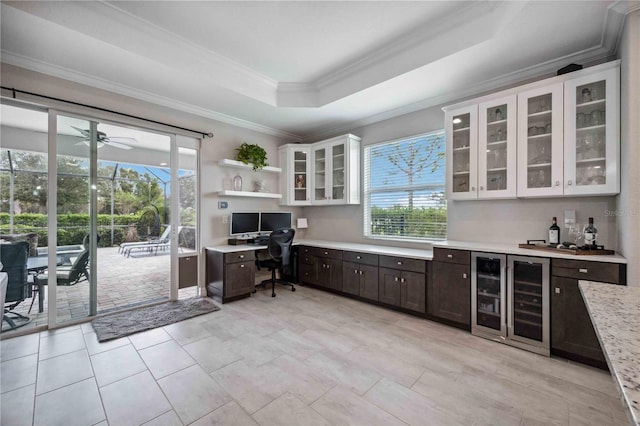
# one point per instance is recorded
(164, 238)
(70, 275)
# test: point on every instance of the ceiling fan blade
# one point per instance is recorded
(121, 139)
(84, 132)
(117, 144)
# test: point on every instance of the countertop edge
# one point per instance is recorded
(622, 356)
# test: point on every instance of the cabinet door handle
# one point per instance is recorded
(557, 183)
(464, 275)
(481, 188)
(360, 272)
(569, 182)
(473, 188)
(557, 290)
(450, 256)
(583, 270)
(401, 280)
(355, 271)
(242, 266)
(396, 279)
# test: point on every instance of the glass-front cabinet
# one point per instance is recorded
(592, 133)
(295, 183)
(497, 148)
(322, 173)
(461, 129)
(540, 141)
(335, 166)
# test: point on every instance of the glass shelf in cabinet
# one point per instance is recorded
(463, 129)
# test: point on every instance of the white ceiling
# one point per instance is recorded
(306, 69)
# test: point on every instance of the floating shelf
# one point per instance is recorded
(240, 165)
(229, 193)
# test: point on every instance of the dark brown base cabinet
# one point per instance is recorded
(230, 276)
(572, 333)
(321, 267)
(449, 292)
(360, 274)
(406, 286)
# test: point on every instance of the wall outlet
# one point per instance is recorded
(223, 204)
(225, 218)
(569, 218)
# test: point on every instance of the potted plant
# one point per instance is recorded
(251, 153)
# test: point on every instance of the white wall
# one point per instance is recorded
(628, 202)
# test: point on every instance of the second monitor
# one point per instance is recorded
(275, 220)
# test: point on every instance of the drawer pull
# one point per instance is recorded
(358, 257)
(326, 252)
(399, 263)
(450, 256)
(241, 256)
(583, 270)
(242, 266)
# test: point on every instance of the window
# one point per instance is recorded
(404, 188)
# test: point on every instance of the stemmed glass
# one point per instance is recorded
(576, 234)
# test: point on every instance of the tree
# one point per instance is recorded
(413, 156)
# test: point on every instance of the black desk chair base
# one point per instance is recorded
(273, 280)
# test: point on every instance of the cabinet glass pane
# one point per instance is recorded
(300, 167)
(527, 300)
(539, 129)
(337, 161)
(590, 134)
(320, 173)
(497, 148)
(488, 293)
(461, 137)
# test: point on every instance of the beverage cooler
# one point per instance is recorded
(510, 300)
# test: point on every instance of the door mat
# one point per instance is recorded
(122, 324)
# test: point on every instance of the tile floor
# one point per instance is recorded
(303, 358)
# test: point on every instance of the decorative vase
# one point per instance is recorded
(237, 183)
(260, 186)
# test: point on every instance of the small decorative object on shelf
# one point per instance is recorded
(300, 181)
(237, 183)
(255, 154)
(260, 186)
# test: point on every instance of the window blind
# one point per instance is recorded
(404, 188)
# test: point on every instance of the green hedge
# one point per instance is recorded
(429, 223)
(71, 227)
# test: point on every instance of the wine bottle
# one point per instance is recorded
(554, 233)
(590, 234)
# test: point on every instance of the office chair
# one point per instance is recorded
(14, 260)
(279, 249)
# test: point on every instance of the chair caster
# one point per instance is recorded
(293, 289)
(273, 295)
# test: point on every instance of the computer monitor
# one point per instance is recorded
(276, 220)
(244, 223)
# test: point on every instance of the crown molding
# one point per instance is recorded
(120, 89)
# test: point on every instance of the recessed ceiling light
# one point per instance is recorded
(457, 120)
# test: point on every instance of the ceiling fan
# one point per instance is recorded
(103, 139)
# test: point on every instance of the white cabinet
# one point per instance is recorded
(555, 137)
(540, 141)
(461, 130)
(592, 133)
(497, 148)
(481, 147)
(323, 173)
(295, 180)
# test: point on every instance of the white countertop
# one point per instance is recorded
(615, 313)
(514, 249)
(427, 253)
